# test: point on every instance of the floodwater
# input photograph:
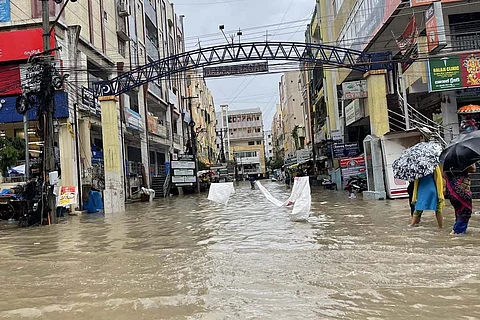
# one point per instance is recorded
(186, 258)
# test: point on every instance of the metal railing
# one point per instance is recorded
(166, 186)
(466, 41)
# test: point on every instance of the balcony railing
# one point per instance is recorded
(152, 49)
(466, 41)
(150, 12)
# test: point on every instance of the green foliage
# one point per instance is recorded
(277, 164)
(11, 150)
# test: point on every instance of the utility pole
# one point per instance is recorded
(48, 149)
(193, 139)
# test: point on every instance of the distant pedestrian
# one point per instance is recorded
(428, 195)
(252, 182)
(460, 196)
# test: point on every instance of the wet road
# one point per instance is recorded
(186, 258)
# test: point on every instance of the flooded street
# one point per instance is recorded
(187, 258)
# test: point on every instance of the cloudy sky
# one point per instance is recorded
(284, 20)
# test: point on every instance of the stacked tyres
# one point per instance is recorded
(475, 177)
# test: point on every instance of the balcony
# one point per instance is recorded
(150, 12)
(466, 41)
(152, 49)
(155, 89)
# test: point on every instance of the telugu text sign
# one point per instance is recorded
(444, 73)
(355, 89)
(235, 69)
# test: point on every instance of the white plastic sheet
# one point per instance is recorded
(300, 198)
(221, 192)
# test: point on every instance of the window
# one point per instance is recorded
(258, 130)
(259, 142)
(251, 143)
(122, 47)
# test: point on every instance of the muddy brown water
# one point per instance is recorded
(186, 258)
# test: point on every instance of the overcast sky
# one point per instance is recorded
(202, 19)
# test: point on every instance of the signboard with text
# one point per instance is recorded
(31, 43)
(235, 69)
(67, 196)
(418, 3)
(354, 112)
(454, 72)
(435, 27)
(4, 10)
(355, 89)
(345, 150)
(352, 167)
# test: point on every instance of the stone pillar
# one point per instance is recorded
(376, 103)
(114, 196)
(68, 163)
(449, 114)
(85, 150)
(144, 134)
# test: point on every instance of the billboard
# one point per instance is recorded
(4, 10)
(354, 112)
(355, 89)
(417, 3)
(13, 50)
(235, 69)
(454, 72)
(435, 27)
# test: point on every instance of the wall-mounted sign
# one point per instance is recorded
(417, 3)
(354, 112)
(454, 72)
(235, 69)
(133, 120)
(345, 150)
(355, 89)
(435, 27)
(90, 102)
(11, 49)
(4, 10)
(352, 167)
(67, 195)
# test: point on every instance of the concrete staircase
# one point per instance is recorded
(475, 183)
(158, 184)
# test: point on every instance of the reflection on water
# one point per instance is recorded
(186, 258)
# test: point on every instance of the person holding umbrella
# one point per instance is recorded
(458, 160)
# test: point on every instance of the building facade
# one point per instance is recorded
(243, 140)
(100, 41)
(268, 142)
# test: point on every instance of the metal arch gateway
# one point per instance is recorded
(239, 52)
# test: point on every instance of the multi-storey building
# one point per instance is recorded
(294, 115)
(243, 140)
(278, 135)
(268, 146)
(99, 41)
(203, 115)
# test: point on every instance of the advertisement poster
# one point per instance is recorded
(444, 73)
(67, 196)
(4, 10)
(470, 69)
(352, 167)
(355, 89)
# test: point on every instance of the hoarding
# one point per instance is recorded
(235, 69)
(454, 72)
(344, 150)
(435, 27)
(352, 167)
(11, 49)
(4, 10)
(355, 89)
(417, 3)
(354, 112)
(67, 196)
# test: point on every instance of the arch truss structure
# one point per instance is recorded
(240, 52)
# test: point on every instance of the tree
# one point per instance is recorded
(11, 150)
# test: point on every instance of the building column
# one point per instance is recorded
(449, 114)
(68, 163)
(142, 102)
(114, 196)
(376, 103)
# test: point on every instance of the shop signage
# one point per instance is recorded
(366, 20)
(183, 165)
(337, 136)
(352, 167)
(345, 150)
(31, 77)
(235, 69)
(354, 89)
(11, 49)
(435, 27)
(90, 102)
(67, 196)
(133, 120)
(417, 3)
(303, 155)
(152, 124)
(455, 72)
(184, 170)
(354, 112)
(4, 10)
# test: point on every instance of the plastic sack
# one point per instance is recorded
(220, 192)
(300, 198)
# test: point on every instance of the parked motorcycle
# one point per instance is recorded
(356, 184)
(329, 184)
(35, 205)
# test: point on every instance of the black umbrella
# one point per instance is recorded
(462, 152)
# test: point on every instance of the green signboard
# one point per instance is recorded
(445, 73)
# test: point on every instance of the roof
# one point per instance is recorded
(244, 111)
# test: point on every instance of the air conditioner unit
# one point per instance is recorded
(123, 8)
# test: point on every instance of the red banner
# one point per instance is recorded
(352, 162)
(408, 38)
(470, 69)
(10, 83)
(22, 44)
(417, 3)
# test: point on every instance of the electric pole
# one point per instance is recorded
(48, 149)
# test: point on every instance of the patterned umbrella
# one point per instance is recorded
(471, 108)
(418, 161)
